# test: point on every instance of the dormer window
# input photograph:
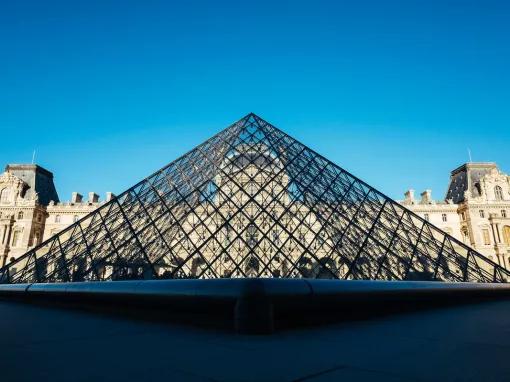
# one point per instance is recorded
(498, 193)
(478, 188)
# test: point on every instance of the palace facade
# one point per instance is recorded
(30, 209)
(476, 209)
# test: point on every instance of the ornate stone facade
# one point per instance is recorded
(30, 211)
(22, 217)
(476, 209)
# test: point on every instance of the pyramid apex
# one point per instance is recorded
(251, 114)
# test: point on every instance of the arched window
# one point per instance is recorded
(5, 196)
(498, 193)
(57, 219)
(75, 218)
(20, 215)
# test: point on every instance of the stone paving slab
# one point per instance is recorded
(464, 343)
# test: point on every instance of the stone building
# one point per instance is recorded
(63, 214)
(25, 191)
(476, 209)
(30, 210)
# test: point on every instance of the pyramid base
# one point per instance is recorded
(255, 306)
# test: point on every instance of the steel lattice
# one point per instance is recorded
(252, 202)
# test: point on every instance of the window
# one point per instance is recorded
(37, 237)
(444, 217)
(75, 218)
(426, 217)
(486, 236)
(38, 217)
(503, 213)
(482, 214)
(465, 235)
(276, 237)
(498, 193)
(506, 234)
(252, 235)
(15, 238)
(5, 195)
(463, 215)
(57, 219)
(478, 188)
(20, 215)
(252, 188)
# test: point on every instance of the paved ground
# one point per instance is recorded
(468, 343)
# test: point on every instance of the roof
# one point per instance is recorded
(465, 178)
(38, 179)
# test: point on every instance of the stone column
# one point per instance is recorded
(497, 232)
(5, 229)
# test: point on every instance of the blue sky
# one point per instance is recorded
(394, 91)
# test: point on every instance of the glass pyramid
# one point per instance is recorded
(252, 202)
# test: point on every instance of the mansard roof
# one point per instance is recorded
(38, 179)
(465, 177)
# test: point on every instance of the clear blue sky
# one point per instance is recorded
(109, 91)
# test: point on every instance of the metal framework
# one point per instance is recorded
(252, 202)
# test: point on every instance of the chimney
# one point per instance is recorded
(109, 196)
(409, 196)
(426, 197)
(76, 197)
(93, 197)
